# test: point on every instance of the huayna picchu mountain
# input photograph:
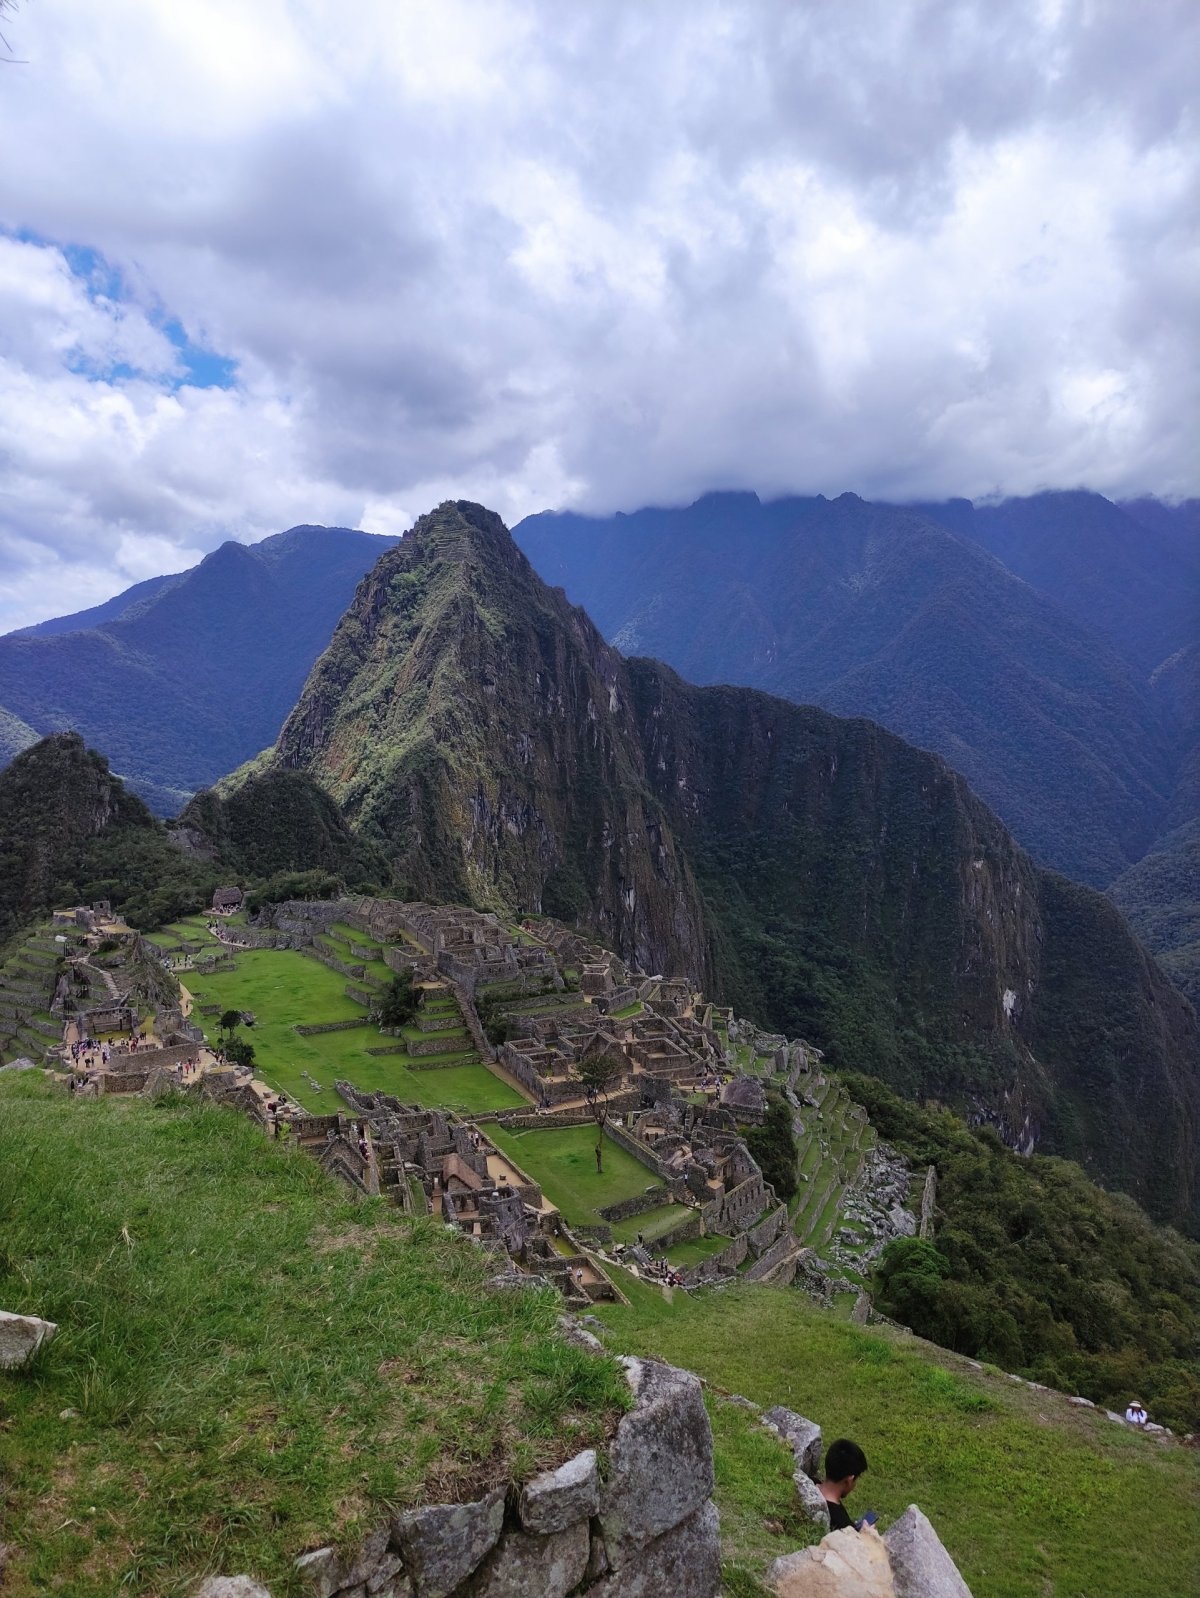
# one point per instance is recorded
(821, 874)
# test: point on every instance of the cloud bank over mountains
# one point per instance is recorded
(294, 262)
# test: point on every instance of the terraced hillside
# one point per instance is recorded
(27, 982)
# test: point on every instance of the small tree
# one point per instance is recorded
(599, 1073)
(399, 1004)
(229, 1023)
(773, 1146)
(241, 1053)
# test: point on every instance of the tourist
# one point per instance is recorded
(1135, 1414)
(845, 1462)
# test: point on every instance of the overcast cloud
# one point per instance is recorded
(270, 261)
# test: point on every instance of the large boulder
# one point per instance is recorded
(20, 1338)
(444, 1543)
(523, 1564)
(802, 1436)
(660, 1467)
(921, 1567)
(558, 1498)
(846, 1564)
(685, 1562)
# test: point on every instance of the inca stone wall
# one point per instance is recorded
(647, 1529)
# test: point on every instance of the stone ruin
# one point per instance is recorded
(431, 1162)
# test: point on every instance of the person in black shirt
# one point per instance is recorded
(845, 1462)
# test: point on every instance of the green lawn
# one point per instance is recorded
(1034, 1499)
(650, 1223)
(563, 1162)
(249, 1364)
(681, 1255)
(284, 988)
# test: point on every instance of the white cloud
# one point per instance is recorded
(595, 255)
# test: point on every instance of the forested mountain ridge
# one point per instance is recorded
(180, 678)
(71, 832)
(880, 611)
(826, 877)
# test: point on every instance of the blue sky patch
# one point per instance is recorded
(201, 367)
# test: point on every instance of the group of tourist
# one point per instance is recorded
(88, 1055)
(656, 1270)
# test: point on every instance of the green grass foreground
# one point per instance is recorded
(247, 1363)
(1033, 1498)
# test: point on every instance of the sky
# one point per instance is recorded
(275, 261)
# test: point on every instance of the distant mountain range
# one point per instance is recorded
(1048, 647)
(1041, 645)
(181, 678)
(819, 873)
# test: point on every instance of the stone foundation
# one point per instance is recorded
(649, 1529)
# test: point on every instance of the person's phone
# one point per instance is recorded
(868, 1519)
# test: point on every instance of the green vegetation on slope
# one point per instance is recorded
(70, 833)
(246, 1362)
(278, 822)
(1040, 1271)
(1160, 898)
(1032, 1498)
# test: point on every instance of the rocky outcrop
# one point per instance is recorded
(802, 1436)
(558, 1498)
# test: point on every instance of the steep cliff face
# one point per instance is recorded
(472, 720)
(828, 878)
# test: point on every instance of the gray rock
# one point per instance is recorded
(684, 1563)
(230, 1587)
(1081, 1403)
(921, 1567)
(324, 1572)
(742, 1403)
(388, 1579)
(1111, 1414)
(20, 1338)
(444, 1543)
(812, 1505)
(579, 1335)
(515, 1281)
(660, 1461)
(1150, 1426)
(558, 1498)
(522, 1564)
(802, 1436)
